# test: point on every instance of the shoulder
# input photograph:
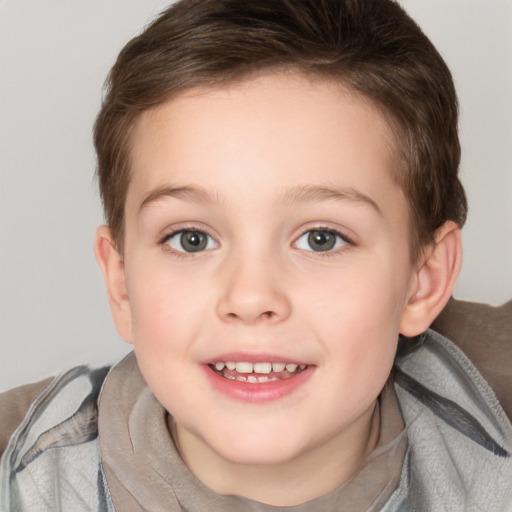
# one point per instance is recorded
(484, 333)
(14, 405)
(24, 405)
(51, 461)
(460, 439)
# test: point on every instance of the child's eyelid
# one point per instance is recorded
(349, 239)
(303, 241)
(171, 231)
(169, 244)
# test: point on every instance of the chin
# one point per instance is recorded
(262, 450)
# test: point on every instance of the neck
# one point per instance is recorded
(308, 476)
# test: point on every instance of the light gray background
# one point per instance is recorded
(54, 56)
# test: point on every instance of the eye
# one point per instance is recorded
(190, 240)
(320, 240)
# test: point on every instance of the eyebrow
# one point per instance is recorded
(301, 194)
(308, 193)
(186, 192)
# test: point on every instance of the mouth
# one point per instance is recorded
(257, 373)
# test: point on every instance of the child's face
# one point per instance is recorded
(263, 226)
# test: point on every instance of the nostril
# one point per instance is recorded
(249, 306)
(266, 314)
(247, 317)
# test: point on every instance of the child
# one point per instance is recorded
(280, 186)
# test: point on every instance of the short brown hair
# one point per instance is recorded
(372, 46)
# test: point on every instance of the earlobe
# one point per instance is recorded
(434, 280)
(112, 268)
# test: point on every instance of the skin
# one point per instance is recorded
(256, 166)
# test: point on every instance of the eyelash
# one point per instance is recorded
(164, 241)
(348, 241)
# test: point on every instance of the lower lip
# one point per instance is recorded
(258, 392)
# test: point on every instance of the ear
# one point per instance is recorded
(434, 279)
(112, 267)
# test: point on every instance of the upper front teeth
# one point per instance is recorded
(244, 367)
(263, 368)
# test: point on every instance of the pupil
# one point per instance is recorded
(193, 241)
(321, 240)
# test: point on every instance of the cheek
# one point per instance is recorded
(165, 312)
(357, 317)
(165, 308)
(370, 295)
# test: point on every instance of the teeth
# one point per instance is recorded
(263, 367)
(244, 367)
(246, 370)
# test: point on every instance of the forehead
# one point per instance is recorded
(283, 128)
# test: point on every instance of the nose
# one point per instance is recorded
(253, 292)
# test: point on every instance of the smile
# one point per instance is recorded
(257, 373)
